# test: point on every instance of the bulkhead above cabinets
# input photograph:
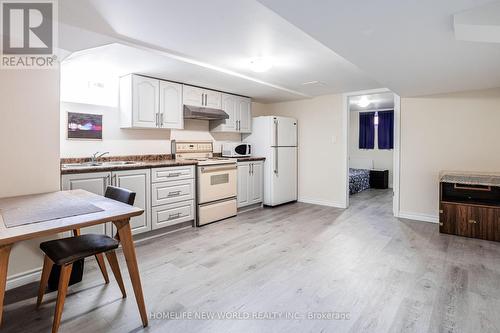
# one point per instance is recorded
(147, 102)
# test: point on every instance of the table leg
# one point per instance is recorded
(4, 264)
(127, 242)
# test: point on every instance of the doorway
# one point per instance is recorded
(372, 143)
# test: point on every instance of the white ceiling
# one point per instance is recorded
(408, 46)
(212, 42)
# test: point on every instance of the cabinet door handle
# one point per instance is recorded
(206, 99)
(177, 174)
(174, 216)
(473, 222)
(174, 193)
(161, 119)
(202, 99)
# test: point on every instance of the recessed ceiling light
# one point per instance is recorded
(314, 83)
(363, 102)
(260, 64)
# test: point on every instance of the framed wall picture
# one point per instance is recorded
(84, 126)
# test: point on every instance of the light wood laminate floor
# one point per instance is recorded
(385, 274)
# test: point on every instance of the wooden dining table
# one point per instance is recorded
(110, 211)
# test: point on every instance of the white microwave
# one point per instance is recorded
(236, 149)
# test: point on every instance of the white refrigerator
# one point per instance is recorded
(275, 138)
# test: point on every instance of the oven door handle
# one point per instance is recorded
(210, 169)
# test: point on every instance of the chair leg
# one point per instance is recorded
(113, 262)
(102, 265)
(47, 267)
(61, 295)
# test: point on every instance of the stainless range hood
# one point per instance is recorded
(196, 112)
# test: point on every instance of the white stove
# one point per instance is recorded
(216, 180)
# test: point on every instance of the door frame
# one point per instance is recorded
(396, 150)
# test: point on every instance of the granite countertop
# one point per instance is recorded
(134, 162)
(70, 165)
(249, 159)
(470, 178)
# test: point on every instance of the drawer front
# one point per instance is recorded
(166, 215)
(172, 173)
(481, 221)
(469, 221)
(217, 211)
(170, 192)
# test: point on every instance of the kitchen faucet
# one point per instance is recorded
(96, 155)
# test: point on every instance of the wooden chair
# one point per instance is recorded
(65, 251)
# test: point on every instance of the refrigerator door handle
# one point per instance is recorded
(276, 132)
(276, 160)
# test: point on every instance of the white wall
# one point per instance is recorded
(29, 146)
(445, 132)
(321, 167)
(124, 141)
(382, 158)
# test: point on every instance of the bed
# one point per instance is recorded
(359, 174)
(359, 180)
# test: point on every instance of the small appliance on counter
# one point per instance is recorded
(236, 149)
(216, 181)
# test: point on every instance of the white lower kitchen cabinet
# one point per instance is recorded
(250, 183)
(138, 181)
(95, 182)
(166, 194)
(167, 215)
(243, 183)
(173, 192)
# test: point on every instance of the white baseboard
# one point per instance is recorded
(20, 279)
(323, 202)
(419, 217)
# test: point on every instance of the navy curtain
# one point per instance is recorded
(385, 130)
(366, 130)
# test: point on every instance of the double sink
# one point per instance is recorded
(85, 165)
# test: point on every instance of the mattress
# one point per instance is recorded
(359, 180)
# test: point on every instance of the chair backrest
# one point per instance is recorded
(120, 194)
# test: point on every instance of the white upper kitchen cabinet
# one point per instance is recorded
(245, 115)
(193, 96)
(230, 106)
(150, 103)
(139, 102)
(239, 110)
(96, 183)
(138, 181)
(200, 97)
(171, 110)
(213, 99)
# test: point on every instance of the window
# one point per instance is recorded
(383, 121)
